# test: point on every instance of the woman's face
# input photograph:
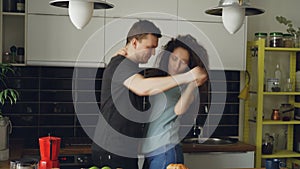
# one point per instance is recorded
(178, 61)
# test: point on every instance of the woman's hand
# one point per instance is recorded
(200, 75)
(122, 51)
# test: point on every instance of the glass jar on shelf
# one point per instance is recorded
(286, 110)
(296, 39)
(20, 5)
(272, 85)
(276, 39)
(261, 35)
(288, 41)
(6, 57)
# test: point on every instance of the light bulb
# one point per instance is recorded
(80, 13)
(233, 17)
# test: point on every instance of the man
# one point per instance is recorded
(123, 115)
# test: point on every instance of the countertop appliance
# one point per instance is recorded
(76, 161)
(70, 161)
(74, 153)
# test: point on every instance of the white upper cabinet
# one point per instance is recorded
(194, 10)
(43, 7)
(53, 40)
(226, 51)
(143, 9)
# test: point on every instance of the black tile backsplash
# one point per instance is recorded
(54, 72)
(56, 84)
(223, 117)
(57, 108)
(49, 97)
(28, 95)
(55, 96)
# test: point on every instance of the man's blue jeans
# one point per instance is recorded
(162, 157)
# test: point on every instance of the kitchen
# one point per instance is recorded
(45, 82)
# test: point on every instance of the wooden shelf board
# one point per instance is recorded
(13, 14)
(278, 122)
(281, 93)
(282, 154)
(282, 49)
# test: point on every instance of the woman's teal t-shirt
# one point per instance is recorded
(164, 124)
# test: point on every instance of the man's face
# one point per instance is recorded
(145, 48)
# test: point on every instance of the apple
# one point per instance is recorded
(105, 167)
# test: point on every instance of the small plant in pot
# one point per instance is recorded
(7, 96)
(290, 28)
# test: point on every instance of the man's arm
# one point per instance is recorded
(149, 86)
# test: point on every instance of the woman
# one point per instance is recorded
(161, 146)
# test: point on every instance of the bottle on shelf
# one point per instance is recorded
(265, 80)
(275, 114)
(288, 85)
(267, 146)
(13, 51)
(277, 75)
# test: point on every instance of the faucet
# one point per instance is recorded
(197, 130)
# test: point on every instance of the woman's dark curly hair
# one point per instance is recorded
(198, 57)
(198, 54)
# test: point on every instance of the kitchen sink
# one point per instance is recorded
(210, 141)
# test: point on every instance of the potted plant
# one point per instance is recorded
(290, 28)
(10, 96)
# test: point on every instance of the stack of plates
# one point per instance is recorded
(298, 81)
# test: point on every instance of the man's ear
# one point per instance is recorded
(134, 42)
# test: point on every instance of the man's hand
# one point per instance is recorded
(199, 74)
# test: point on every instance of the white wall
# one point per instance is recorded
(266, 22)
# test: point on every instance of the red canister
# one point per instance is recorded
(49, 151)
(49, 147)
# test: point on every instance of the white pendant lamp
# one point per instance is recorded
(233, 18)
(233, 13)
(81, 11)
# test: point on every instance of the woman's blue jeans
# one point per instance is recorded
(163, 156)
